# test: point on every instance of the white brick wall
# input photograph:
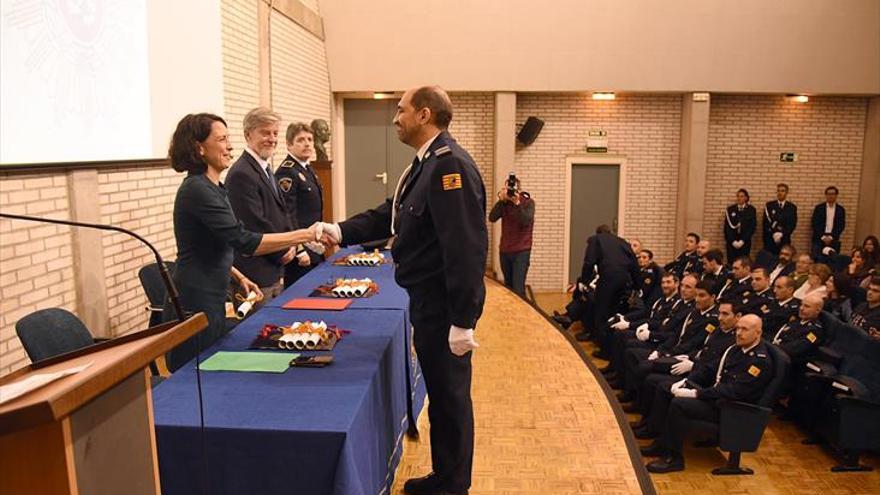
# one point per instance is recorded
(746, 136)
(645, 128)
(241, 63)
(36, 263)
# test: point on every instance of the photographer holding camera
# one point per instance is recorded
(516, 209)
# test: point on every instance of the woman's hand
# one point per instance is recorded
(247, 287)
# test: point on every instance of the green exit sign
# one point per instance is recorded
(788, 157)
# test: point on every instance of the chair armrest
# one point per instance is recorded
(847, 385)
(101, 339)
(822, 368)
(828, 355)
(736, 406)
(153, 309)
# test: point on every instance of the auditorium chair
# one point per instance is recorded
(741, 424)
(843, 390)
(154, 287)
(47, 333)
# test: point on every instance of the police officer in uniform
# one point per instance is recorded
(439, 216)
(688, 261)
(743, 373)
(760, 296)
(783, 309)
(740, 221)
(800, 339)
(303, 196)
(649, 277)
(780, 220)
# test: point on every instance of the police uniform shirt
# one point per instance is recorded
(648, 280)
(867, 318)
(685, 262)
(716, 342)
(735, 290)
(677, 314)
(779, 216)
(692, 332)
(718, 278)
(301, 190)
(741, 375)
(778, 313)
(799, 339)
(755, 302)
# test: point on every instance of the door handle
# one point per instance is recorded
(383, 176)
(614, 225)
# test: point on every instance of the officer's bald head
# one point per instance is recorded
(435, 99)
(748, 330)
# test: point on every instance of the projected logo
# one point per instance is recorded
(77, 69)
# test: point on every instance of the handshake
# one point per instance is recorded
(327, 234)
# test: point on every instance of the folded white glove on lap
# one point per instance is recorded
(461, 340)
(642, 333)
(685, 392)
(654, 355)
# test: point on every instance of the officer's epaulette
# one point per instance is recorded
(760, 355)
(442, 151)
(286, 164)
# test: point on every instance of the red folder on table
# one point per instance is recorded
(317, 303)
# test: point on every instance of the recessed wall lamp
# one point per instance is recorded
(603, 95)
(798, 98)
(383, 95)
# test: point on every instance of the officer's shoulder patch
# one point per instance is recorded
(451, 181)
(443, 150)
(284, 183)
(648, 281)
(793, 318)
(286, 164)
(765, 309)
(754, 371)
(710, 328)
(812, 337)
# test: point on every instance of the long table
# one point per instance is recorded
(309, 430)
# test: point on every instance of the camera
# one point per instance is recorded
(511, 185)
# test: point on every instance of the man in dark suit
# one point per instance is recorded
(739, 226)
(257, 202)
(780, 220)
(829, 220)
(439, 216)
(303, 196)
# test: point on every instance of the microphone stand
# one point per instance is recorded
(163, 270)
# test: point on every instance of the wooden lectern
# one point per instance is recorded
(91, 432)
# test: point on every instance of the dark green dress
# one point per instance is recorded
(207, 234)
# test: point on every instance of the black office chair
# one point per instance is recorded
(742, 425)
(49, 332)
(154, 287)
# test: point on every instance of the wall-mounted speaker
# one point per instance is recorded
(530, 130)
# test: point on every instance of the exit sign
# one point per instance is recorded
(788, 157)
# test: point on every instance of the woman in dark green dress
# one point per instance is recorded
(207, 231)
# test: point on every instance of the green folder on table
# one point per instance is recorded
(247, 361)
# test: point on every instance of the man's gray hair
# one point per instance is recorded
(259, 116)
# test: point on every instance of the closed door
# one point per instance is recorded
(374, 157)
(594, 201)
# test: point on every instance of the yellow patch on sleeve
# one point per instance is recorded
(811, 337)
(710, 328)
(754, 370)
(451, 182)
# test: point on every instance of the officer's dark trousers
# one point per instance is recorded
(609, 292)
(734, 253)
(682, 411)
(448, 381)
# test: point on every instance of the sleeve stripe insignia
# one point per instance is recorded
(811, 337)
(754, 371)
(451, 182)
(442, 151)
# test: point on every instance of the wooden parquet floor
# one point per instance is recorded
(782, 464)
(542, 422)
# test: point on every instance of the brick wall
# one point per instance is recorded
(36, 264)
(746, 136)
(473, 126)
(140, 200)
(241, 81)
(645, 128)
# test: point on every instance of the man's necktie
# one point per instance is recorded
(272, 179)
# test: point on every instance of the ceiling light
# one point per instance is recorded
(604, 95)
(798, 98)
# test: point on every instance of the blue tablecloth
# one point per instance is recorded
(326, 430)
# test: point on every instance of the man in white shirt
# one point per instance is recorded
(828, 222)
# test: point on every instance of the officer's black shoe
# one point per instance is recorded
(601, 354)
(563, 320)
(615, 383)
(606, 369)
(653, 450)
(582, 337)
(638, 424)
(626, 397)
(667, 464)
(631, 408)
(645, 432)
(426, 485)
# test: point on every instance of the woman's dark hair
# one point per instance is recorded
(874, 255)
(184, 148)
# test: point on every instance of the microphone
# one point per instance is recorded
(163, 270)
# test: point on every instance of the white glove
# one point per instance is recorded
(621, 325)
(738, 243)
(654, 355)
(777, 237)
(685, 392)
(461, 340)
(827, 250)
(582, 287)
(593, 283)
(682, 367)
(642, 333)
(677, 385)
(617, 316)
(303, 258)
(332, 230)
(315, 247)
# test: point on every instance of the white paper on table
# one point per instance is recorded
(33, 382)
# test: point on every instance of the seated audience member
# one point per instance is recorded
(655, 395)
(828, 222)
(784, 309)
(714, 270)
(760, 297)
(837, 304)
(801, 269)
(867, 314)
(800, 339)
(857, 273)
(739, 282)
(702, 248)
(784, 263)
(740, 222)
(871, 250)
(819, 274)
(649, 277)
(743, 374)
(688, 260)
(780, 220)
